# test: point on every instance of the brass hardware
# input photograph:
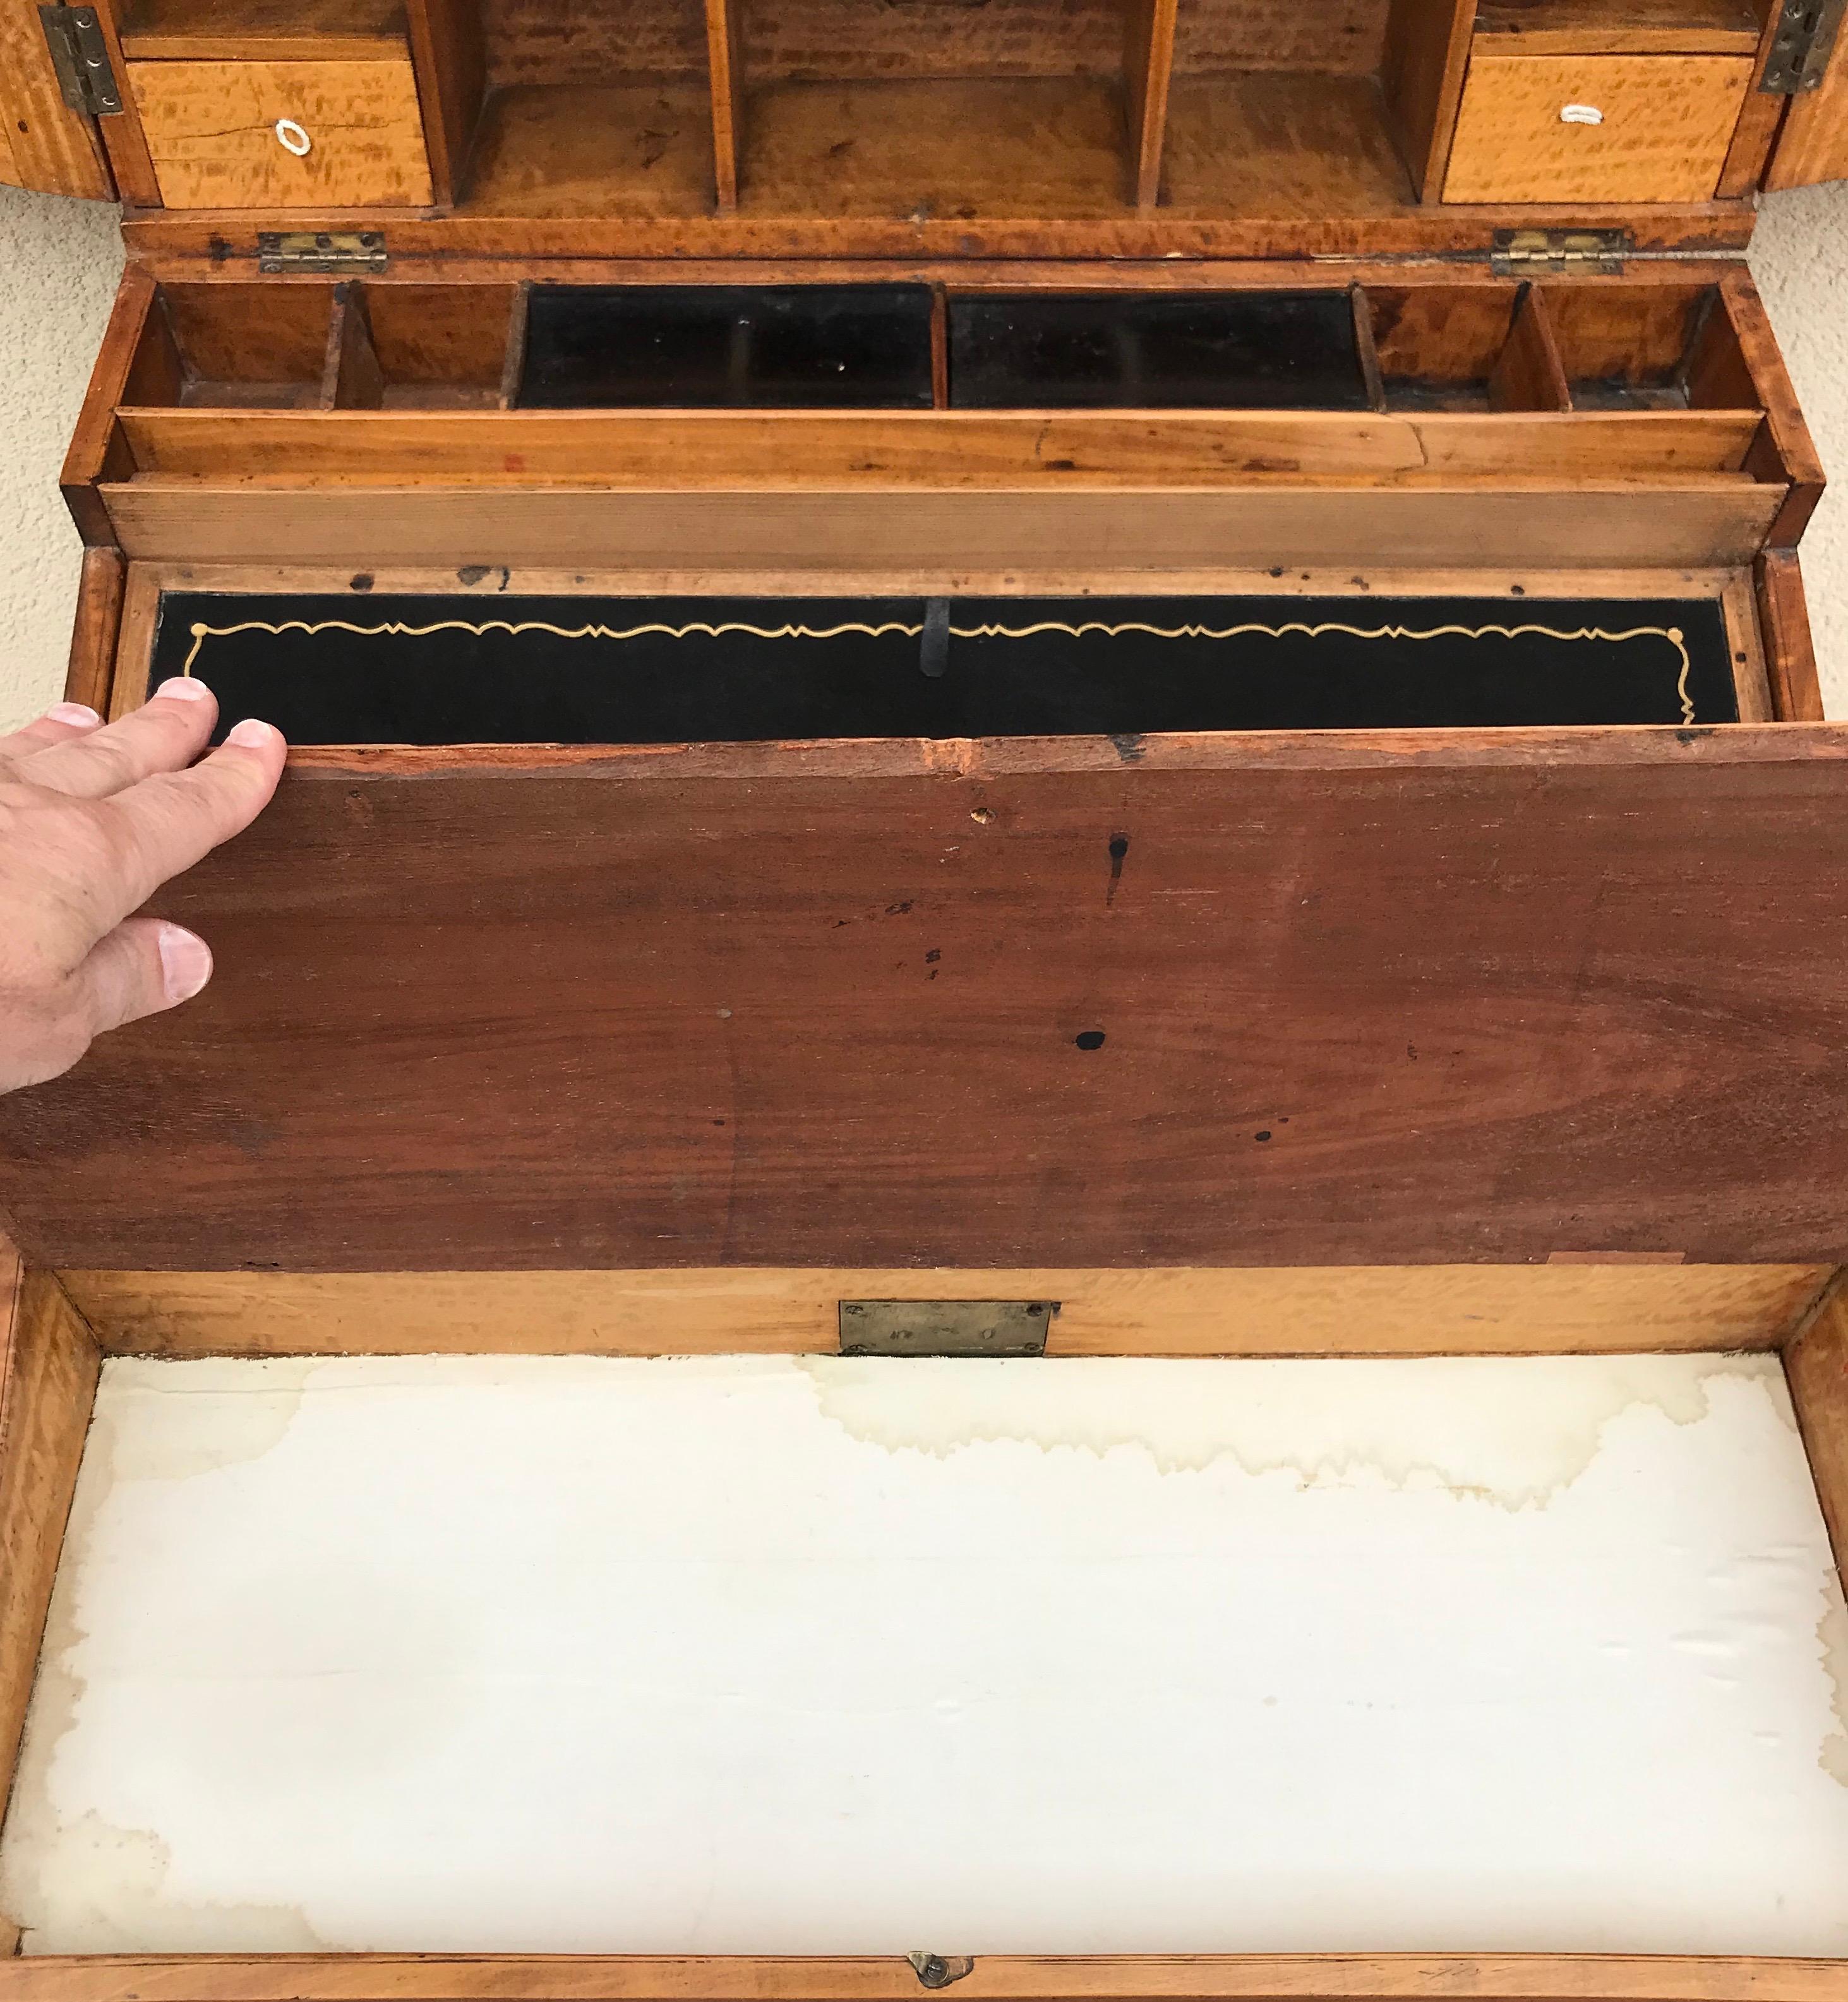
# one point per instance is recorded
(80, 57)
(1801, 46)
(938, 1970)
(320, 252)
(945, 1327)
(1529, 254)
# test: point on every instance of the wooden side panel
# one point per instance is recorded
(1426, 53)
(47, 145)
(1353, 999)
(1789, 653)
(213, 131)
(48, 1365)
(93, 634)
(1813, 145)
(97, 451)
(1817, 1365)
(451, 66)
(1791, 455)
(1577, 1309)
(1170, 1978)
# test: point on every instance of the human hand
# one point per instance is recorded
(93, 819)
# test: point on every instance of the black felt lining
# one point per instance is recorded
(741, 670)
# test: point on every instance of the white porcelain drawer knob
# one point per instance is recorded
(293, 139)
(1580, 114)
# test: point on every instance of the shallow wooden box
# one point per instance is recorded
(1459, 1038)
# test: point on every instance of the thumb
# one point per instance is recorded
(144, 965)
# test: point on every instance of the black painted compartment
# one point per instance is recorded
(1254, 351)
(364, 669)
(727, 347)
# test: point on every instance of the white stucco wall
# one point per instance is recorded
(59, 261)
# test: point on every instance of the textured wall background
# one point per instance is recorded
(59, 261)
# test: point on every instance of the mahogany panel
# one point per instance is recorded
(1294, 1000)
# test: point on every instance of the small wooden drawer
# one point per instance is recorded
(283, 134)
(1595, 128)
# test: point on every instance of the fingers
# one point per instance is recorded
(138, 969)
(165, 734)
(58, 725)
(168, 822)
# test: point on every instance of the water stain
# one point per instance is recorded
(1515, 1432)
(170, 1421)
(1832, 1631)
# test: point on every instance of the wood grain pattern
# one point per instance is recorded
(598, 227)
(262, 30)
(1813, 144)
(1667, 122)
(48, 1365)
(951, 450)
(1816, 1365)
(725, 64)
(1338, 1310)
(950, 147)
(47, 145)
(1296, 145)
(1147, 67)
(1793, 451)
(1426, 53)
(95, 452)
(633, 150)
(451, 69)
(1492, 995)
(1627, 27)
(1529, 374)
(1721, 522)
(1789, 653)
(351, 378)
(94, 631)
(1171, 1978)
(211, 129)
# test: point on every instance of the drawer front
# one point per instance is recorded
(283, 134)
(1595, 128)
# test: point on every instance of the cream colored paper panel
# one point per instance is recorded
(813, 1655)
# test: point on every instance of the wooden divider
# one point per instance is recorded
(725, 75)
(1530, 376)
(1148, 69)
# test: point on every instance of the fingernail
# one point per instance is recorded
(78, 714)
(185, 962)
(251, 735)
(183, 688)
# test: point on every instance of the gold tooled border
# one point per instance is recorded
(396, 628)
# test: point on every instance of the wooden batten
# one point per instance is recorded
(48, 1367)
(1592, 1308)
(997, 1978)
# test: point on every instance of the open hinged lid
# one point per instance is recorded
(820, 128)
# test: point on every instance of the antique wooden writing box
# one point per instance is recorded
(1000, 713)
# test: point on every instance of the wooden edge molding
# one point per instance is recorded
(94, 632)
(1816, 1365)
(48, 1367)
(1555, 1309)
(1790, 651)
(1196, 1978)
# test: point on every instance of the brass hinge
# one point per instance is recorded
(341, 252)
(80, 58)
(1805, 33)
(1533, 253)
